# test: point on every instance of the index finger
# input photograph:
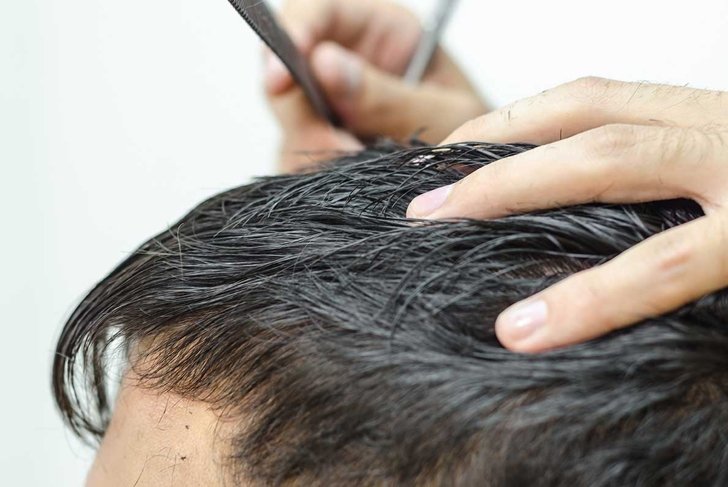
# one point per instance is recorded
(657, 276)
(610, 164)
(590, 102)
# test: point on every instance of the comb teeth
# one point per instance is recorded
(242, 8)
(261, 19)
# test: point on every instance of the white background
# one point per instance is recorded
(118, 116)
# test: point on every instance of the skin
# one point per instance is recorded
(358, 52)
(158, 438)
(603, 141)
(611, 142)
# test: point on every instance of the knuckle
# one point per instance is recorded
(586, 83)
(588, 87)
(716, 142)
(674, 143)
(612, 140)
(687, 148)
(588, 92)
(673, 255)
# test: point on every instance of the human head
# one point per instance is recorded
(341, 344)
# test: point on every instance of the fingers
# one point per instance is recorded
(307, 138)
(657, 276)
(588, 103)
(382, 32)
(277, 78)
(372, 102)
(314, 145)
(609, 142)
(611, 164)
(293, 110)
(358, 52)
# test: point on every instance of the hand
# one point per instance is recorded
(358, 52)
(611, 142)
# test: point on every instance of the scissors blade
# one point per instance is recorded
(431, 35)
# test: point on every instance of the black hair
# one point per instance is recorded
(359, 345)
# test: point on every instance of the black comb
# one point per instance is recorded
(260, 17)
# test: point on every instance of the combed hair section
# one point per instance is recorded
(357, 347)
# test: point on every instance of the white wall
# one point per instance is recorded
(116, 117)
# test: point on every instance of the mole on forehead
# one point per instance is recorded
(160, 439)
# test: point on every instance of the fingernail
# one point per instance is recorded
(276, 73)
(522, 320)
(427, 203)
(342, 68)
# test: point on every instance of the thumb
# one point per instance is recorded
(372, 102)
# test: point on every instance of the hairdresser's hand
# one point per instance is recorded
(610, 142)
(359, 50)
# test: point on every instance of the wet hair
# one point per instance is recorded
(357, 347)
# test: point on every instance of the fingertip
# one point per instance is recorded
(411, 212)
(426, 204)
(277, 77)
(522, 326)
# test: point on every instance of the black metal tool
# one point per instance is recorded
(260, 17)
(262, 20)
(431, 36)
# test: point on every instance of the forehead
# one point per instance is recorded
(157, 438)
